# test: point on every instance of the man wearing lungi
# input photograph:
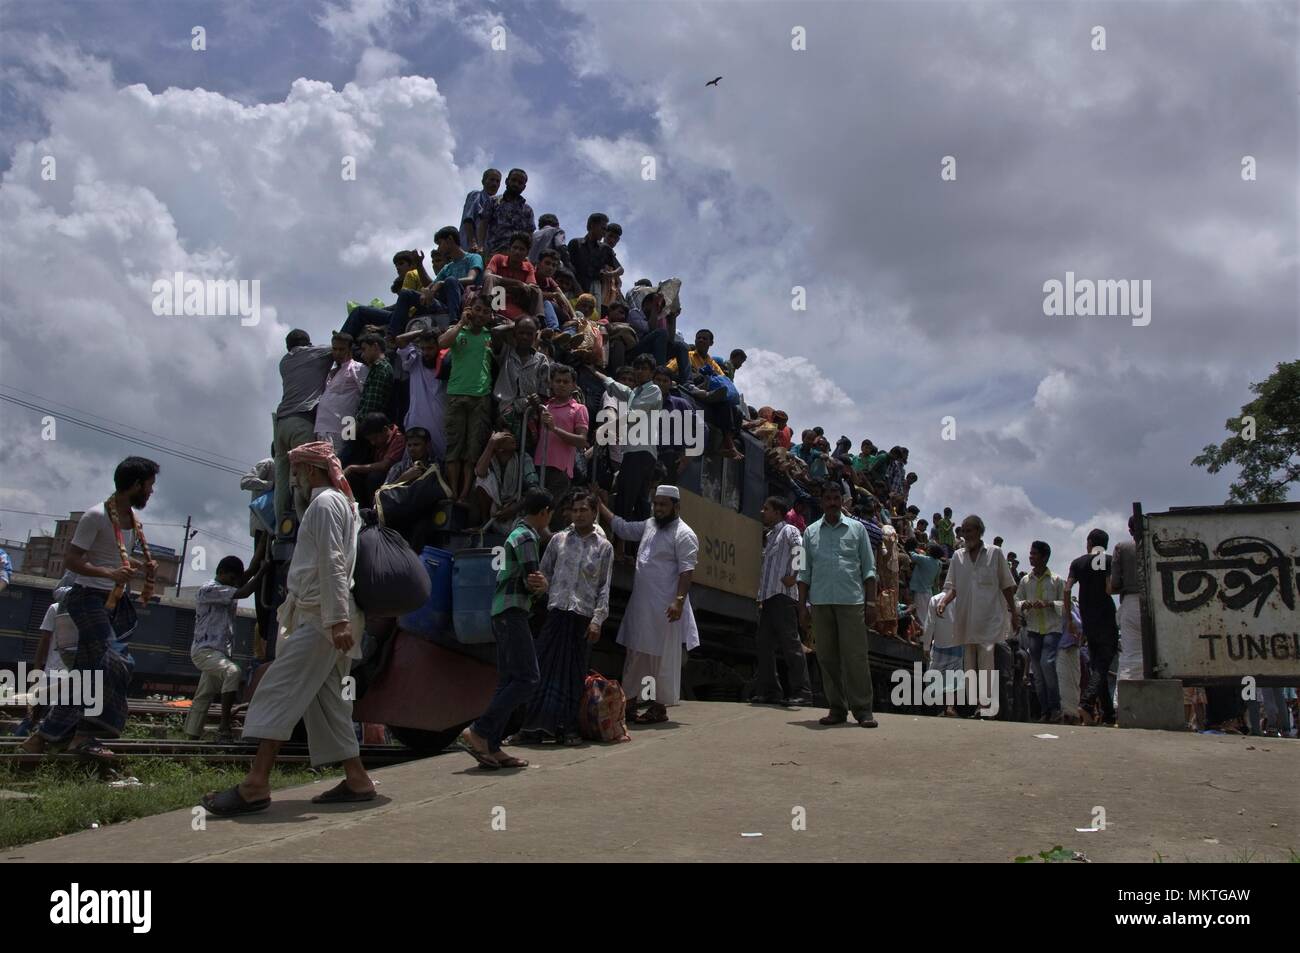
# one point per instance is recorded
(320, 629)
(99, 602)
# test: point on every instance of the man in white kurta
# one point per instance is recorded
(980, 581)
(658, 619)
(320, 634)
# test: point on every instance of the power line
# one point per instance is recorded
(119, 423)
(191, 458)
(205, 532)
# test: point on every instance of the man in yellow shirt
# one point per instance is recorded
(699, 355)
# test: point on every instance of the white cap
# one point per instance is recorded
(669, 491)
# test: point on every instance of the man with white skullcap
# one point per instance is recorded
(658, 619)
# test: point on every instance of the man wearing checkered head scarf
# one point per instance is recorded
(320, 634)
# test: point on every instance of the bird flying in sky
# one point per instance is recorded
(713, 82)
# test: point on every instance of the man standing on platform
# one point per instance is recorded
(981, 582)
(1126, 583)
(658, 619)
(778, 611)
(839, 579)
(320, 635)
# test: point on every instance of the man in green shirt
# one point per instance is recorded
(469, 392)
(518, 581)
(838, 576)
(944, 530)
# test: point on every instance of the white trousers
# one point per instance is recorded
(305, 682)
(665, 672)
(1130, 638)
(1067, 678)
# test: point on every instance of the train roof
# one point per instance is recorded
(45, 582)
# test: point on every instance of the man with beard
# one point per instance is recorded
(507, 215)
(418, 353)
(658, 619)
(320, 633)
(100, 605)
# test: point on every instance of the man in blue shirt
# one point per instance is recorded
(838, 576)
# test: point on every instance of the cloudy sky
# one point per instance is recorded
(817, 168)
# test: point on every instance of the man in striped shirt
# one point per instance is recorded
(778, 623)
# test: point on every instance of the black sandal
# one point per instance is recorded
(342, 794)
(230, 802)
(484, 759)
(94, 750)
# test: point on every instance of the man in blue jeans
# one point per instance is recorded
(1040, 595)
(518, 581)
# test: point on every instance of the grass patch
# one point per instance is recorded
(71, 797)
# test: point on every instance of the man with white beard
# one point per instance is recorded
(320, 634)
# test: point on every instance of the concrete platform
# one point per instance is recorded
(923, 789)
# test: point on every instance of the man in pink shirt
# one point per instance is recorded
(564, 433)
(338, 404)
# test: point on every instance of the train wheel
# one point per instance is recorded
(424, 741)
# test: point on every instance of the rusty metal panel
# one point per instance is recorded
(731, 546)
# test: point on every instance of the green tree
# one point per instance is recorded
(1265, 441)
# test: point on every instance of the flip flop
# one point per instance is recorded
(93, 749)
(485, 761)
(342, 794)
(509, 761)
(230, 802)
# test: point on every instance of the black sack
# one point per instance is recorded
(401, 505)
(389, 580)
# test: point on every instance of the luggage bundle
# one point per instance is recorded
(388, 580)
(602, 714)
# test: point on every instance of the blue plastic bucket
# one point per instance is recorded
(473, 583)
(433, 619)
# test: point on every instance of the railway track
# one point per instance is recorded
(200, 752)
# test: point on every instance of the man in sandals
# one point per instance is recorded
(658, 619)
(320, 634)
(518, 581)
(100, 603)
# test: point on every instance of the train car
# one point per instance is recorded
(160, 645)
(431, 687)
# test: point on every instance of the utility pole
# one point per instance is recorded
(185, 546)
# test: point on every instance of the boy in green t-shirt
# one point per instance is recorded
(943, 530)
(518, 581)
(469, 392)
